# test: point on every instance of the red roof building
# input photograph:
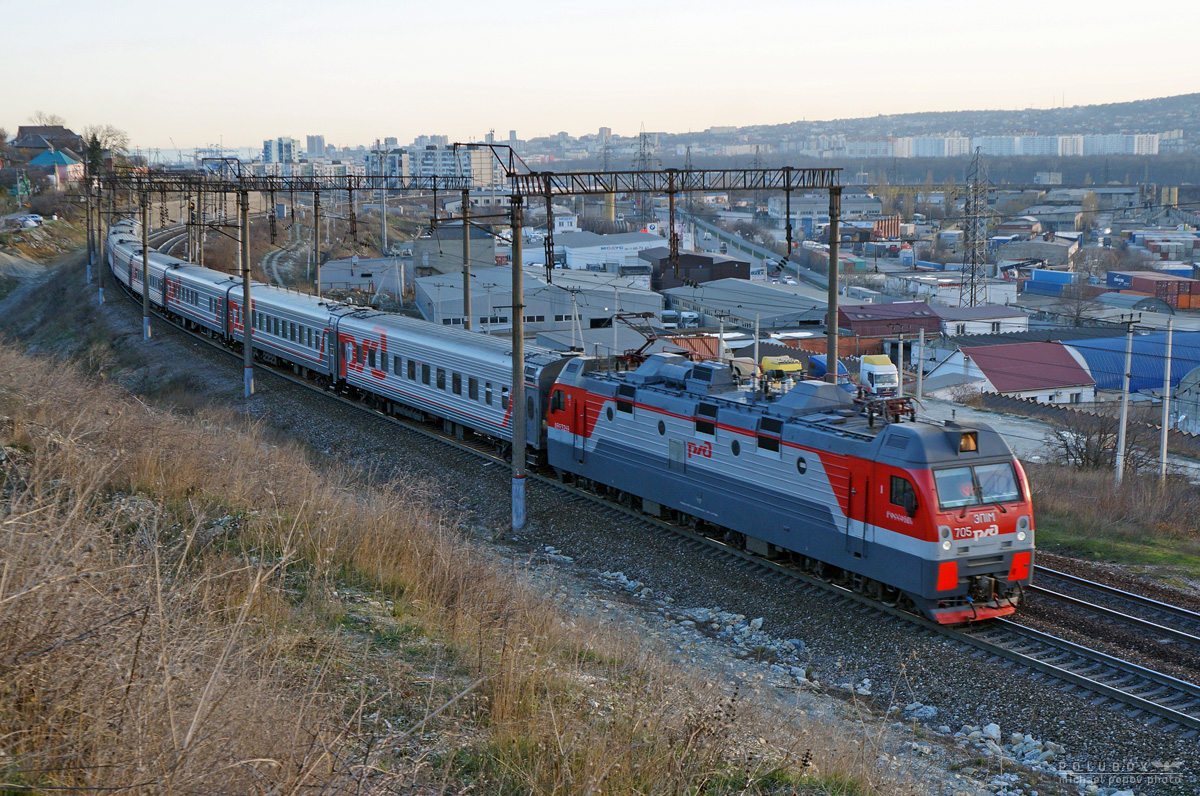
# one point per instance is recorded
(888, 320)
(1045, 372)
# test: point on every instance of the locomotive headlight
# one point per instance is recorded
(946, 545)
(1021, 536)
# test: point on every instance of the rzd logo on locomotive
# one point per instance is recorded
(704, 450)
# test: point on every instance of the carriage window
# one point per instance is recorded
(370, 355)
(487, 393)
(504, 398)
(441, 378)
(473, 389)
(424, 374)
(456, 384)
(396, 366)
(412, 370)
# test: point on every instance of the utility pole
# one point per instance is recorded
(517, 402)
(247, 304)
(466, 271)
(145, 265)
(831, 328)
(921, 363)
(1124, 404)
(199, 227)
(91, 238)
(317, 237)
(1166, 408)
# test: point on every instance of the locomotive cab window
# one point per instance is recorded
(557, 402)
(981, 484)
(903, 494)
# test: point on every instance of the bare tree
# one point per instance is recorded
(111, 138)
(1088, 441)
(1074, 305)
(44, 119)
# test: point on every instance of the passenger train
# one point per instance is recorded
(933, 515)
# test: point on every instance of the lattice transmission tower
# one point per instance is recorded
(973, 289)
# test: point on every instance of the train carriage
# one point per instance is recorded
(461, 377)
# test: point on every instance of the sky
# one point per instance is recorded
(239, 71)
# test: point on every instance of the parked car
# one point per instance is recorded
(30, 220)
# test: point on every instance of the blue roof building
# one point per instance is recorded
(1105, 358)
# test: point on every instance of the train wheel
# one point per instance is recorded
(735, 540)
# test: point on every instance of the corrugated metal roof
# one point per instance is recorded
(1128, 301)
(1106, 359)
(1029, 366)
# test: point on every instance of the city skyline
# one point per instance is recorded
(370, 69)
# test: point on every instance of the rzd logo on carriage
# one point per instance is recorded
(704, 450)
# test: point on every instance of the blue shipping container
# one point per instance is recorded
(934, 266)
(1057, 277)
(1119, 279)
(1043, 288)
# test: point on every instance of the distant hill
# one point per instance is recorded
(1141, 116)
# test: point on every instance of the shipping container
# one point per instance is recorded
(1058, 277)
(1042, 288)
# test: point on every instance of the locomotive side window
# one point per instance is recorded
(706, 420)
(625, 396)
(903, 493)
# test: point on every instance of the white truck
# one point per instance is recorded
(878, 375)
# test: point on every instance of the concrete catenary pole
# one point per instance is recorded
(920, 363)
(466, 271)
(317, 238)
(102, 232)
(1124, 405)
(1166, 407)
(145, 265)
(517, 404)
(199, 258)
(247, 303)
(831, 329)
(91, 237)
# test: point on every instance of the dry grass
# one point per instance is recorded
(1088, 514)
(171, 598)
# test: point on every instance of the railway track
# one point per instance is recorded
(1156, 699)
(1161, 620)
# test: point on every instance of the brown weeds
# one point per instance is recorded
(170, 589)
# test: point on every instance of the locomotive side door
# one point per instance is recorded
(578, 424)
(856, 522)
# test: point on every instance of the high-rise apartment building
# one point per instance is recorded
(281, 150)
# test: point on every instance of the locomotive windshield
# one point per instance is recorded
(981, 484)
